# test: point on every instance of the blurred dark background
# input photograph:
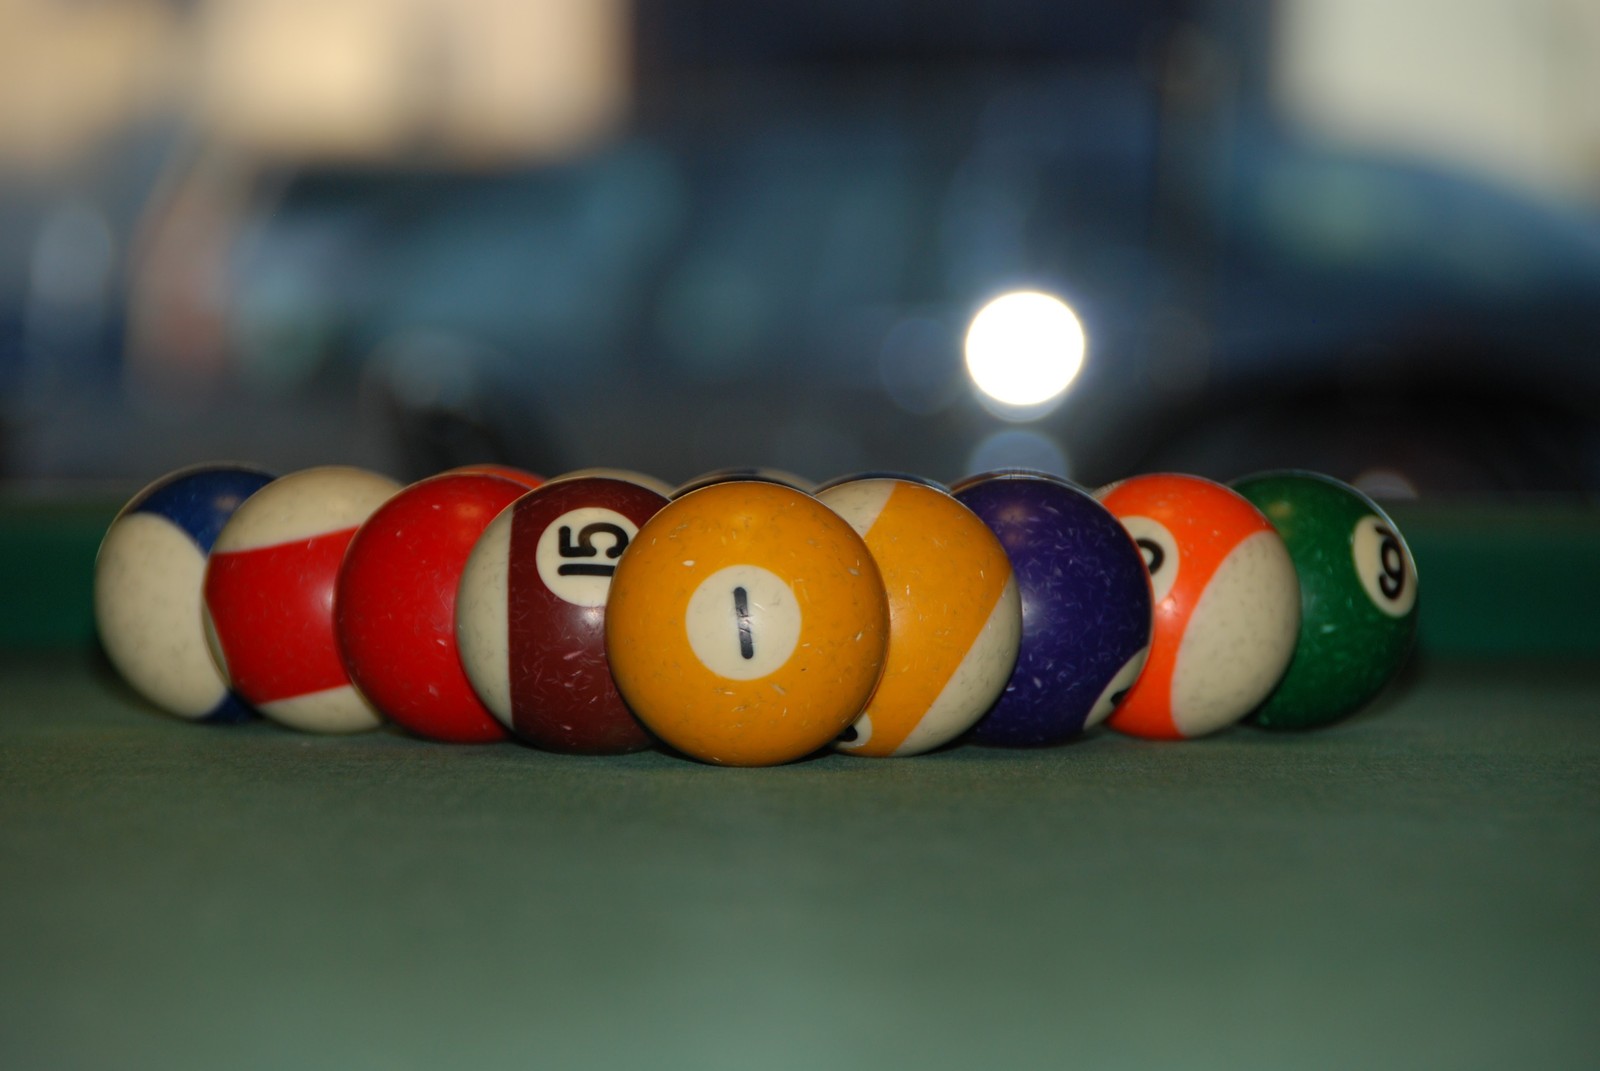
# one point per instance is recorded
(1357, 236)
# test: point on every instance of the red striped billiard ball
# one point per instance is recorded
(395, 608)
(530, 617)
(269, 591)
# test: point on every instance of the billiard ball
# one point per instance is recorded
(530, 617)
(878, 474)
(1086, 607)
(756, 473)
(395, 604)
(510, 472)
(747, 624)
(955, 616)
(643, 479)
(1227, 605)
(1358, 596)
(148, 577)
(269, 596)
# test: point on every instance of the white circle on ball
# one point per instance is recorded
(578, 553)
(1160, 551)
(1024, 348)
(1381, 560)
(743, 622)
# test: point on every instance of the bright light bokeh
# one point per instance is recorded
(1024, 349)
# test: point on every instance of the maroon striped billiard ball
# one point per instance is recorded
(530, 620)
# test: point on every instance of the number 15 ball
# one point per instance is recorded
(747, 624)
(530, 616)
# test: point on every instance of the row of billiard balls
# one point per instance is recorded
(747, 618)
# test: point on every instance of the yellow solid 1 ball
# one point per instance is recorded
(747, 624)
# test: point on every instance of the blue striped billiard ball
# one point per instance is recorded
(148, 579)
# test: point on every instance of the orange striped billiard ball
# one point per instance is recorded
(747, 624)
(1227, 605)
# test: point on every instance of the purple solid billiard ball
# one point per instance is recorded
(1086, 607)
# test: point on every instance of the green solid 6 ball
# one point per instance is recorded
(1358, 596)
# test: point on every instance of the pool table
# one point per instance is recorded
(1417, 887)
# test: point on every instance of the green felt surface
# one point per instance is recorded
(1412, 889)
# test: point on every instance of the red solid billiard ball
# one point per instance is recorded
(269, 588)
(395, 606)
(1227, 605)
(530, 618)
